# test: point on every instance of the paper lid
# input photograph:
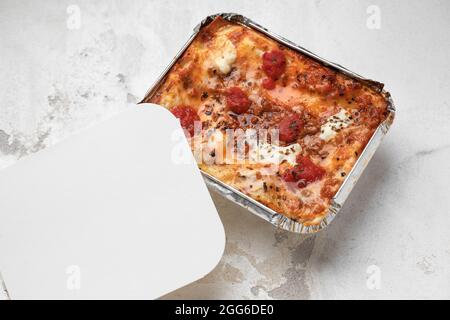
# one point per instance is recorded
(108, 214)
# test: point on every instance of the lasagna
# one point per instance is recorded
(295, 127)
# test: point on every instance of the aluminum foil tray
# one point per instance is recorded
(230, 193)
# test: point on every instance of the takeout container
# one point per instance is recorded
(234, 195)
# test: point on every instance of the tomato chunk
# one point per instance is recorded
(237, 100)
(311, 172)
(291, 174)
(304, 172)
(268, 84)
(290, 128)
(274, 63)
(187, 115)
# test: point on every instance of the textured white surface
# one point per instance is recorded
(54, 80)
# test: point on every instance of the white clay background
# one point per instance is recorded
(392, 238)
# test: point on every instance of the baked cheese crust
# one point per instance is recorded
(336, 115)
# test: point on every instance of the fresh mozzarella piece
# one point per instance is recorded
(271, 153)
(334, 124)
(225, 54)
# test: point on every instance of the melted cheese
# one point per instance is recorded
(335, 123)
(225, 54)
(274, 154)
(248, 46)
(250, 182)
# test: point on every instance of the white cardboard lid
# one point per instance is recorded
(108, 214)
